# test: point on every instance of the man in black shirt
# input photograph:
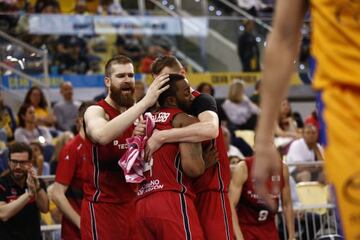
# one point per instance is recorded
(22, 197)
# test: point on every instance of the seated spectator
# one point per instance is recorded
(41, 167)
(28, 130)
(74, 58)
(47, 6)
(22, 196)
(66, 109)
(287, 129)
(206, 88)
(240, 111)
(35, 97)
(231, 149)
(131, 46)
(255, 96)
(152, 53)
(313, 119)
(306, 149)
(7, 122)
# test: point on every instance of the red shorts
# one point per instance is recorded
(167, 215)
(215, 215)
(69, 231)
(107, 221)
(258, 232)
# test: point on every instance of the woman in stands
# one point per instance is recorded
(35, 97)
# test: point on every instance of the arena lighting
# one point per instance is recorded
(218, 13)
(258, 39)
(8, 47)
(302, 66)
(197, 0)
(241, 28)
(164, 2)
(171, 7)
(211, 8)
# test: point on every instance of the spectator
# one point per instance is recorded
(239, 110)
(38, 162)
(7, 122)
(28, 130)
(287, 125)
(248, 49)
(35, 97)
(306, 149)
(47, 6)
(206, 88)
(313, 119)
(101, 95)
(74, 58)
(251, 6)
(66, 109)
(22, 197)
(255, 96)
(231, 149)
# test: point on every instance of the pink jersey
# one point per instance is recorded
(166, 173)
(104, 180)
(251, 210)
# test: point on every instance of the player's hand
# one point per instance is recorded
(210, 155)
(155, 89)
(153, 144)
(140, 127)
(267, 163)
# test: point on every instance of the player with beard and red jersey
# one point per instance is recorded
(252, 218)
(67, 191)
(165, 206)
(108, 208)
(212, 201)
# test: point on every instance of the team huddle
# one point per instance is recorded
(185, 192)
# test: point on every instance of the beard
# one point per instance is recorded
(184, 106)
(123, 100)
(18, 174)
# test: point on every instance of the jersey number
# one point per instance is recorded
(263, 214)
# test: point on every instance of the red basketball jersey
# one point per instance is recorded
(104, 180)
(251, 209)
(216, 178)
(70, 172)
(166, 173)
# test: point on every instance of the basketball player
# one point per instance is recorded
(336, 53)
(107, 210)
(252, 218)
(212, 202)
(165, 207)
(67, 189)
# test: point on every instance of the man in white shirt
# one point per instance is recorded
(305, 149)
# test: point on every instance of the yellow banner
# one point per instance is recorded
(224, 78)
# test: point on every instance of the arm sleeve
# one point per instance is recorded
(202, 103)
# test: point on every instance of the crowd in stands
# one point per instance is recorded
(75, 54)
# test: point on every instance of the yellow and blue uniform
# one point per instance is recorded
(336, 50)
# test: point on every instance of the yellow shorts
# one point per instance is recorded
(342, 153)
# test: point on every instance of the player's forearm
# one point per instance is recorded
(9, 210)
(197, 132)
(289, 218)
(279, 65)
(112, 129)
(42, 201)
(65, 207)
